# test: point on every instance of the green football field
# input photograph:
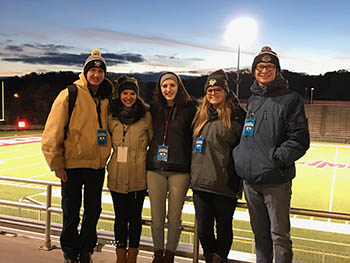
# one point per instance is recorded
(322, 183)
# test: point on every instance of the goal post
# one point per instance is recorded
(2, 101)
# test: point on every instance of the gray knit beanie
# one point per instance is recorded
(168, 75)
(95, 60)
(266, 55)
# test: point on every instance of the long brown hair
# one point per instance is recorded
(224, 110)
(182, 97)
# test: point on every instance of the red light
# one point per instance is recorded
(22, 124)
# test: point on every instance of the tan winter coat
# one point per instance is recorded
(80, 149)
(130, 176)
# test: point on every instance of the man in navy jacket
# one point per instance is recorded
(274, 136)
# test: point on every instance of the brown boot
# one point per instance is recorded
(158, 256)
(121, 255)
(169, 256)
(132, 255)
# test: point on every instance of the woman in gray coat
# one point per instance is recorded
(216, 187)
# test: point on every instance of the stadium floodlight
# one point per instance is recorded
(241, 32)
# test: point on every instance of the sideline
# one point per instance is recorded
(8, 141)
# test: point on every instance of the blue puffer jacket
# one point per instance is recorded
(280, 135)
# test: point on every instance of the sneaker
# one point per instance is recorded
(85, 258)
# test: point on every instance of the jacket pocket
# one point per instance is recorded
(142, 143)
(81, 148)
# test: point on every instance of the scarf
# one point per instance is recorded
(128, 116)
(212, 112)
(277, 87)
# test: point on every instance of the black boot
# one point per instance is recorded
(169, 256)
(208, 257)
(217, 259)
(85, 258)
(158, 256)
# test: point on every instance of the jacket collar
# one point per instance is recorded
(277, 87)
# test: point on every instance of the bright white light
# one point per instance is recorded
(241, 31)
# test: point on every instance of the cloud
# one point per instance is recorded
(67, 59)
(47, 47)
(14, 48)
(174, 58)
(127, 37)
(164, 57)
(36, 46)
(115, 59)
(342, 58)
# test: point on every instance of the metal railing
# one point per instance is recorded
(49, 209)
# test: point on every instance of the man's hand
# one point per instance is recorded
(61, 174)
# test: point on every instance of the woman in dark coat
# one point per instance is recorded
(216, 187)
(169, 161)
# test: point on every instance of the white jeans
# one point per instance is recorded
(159, 184)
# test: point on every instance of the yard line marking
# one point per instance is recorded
(20, 140)
(37, 176)
(333, 182)
(330, 145)
(23, 166)
(23, 185)
(5, 152)
(22, 157)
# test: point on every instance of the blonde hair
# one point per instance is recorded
(224, 110)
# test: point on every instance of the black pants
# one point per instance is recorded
(209, 208)
(128, 218)
(72, 242)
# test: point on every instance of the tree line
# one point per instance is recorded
(36, 92)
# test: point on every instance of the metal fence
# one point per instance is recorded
(47, 210)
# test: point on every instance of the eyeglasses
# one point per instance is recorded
(267, 67)
(214, 90)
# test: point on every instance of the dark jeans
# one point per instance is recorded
(72, 242)
(209, 208)
(128, 218)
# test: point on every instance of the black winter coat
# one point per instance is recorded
(280, 135)
(178, 139)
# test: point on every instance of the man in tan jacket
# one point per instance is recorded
(78, 155)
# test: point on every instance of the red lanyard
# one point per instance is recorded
(165, 131)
